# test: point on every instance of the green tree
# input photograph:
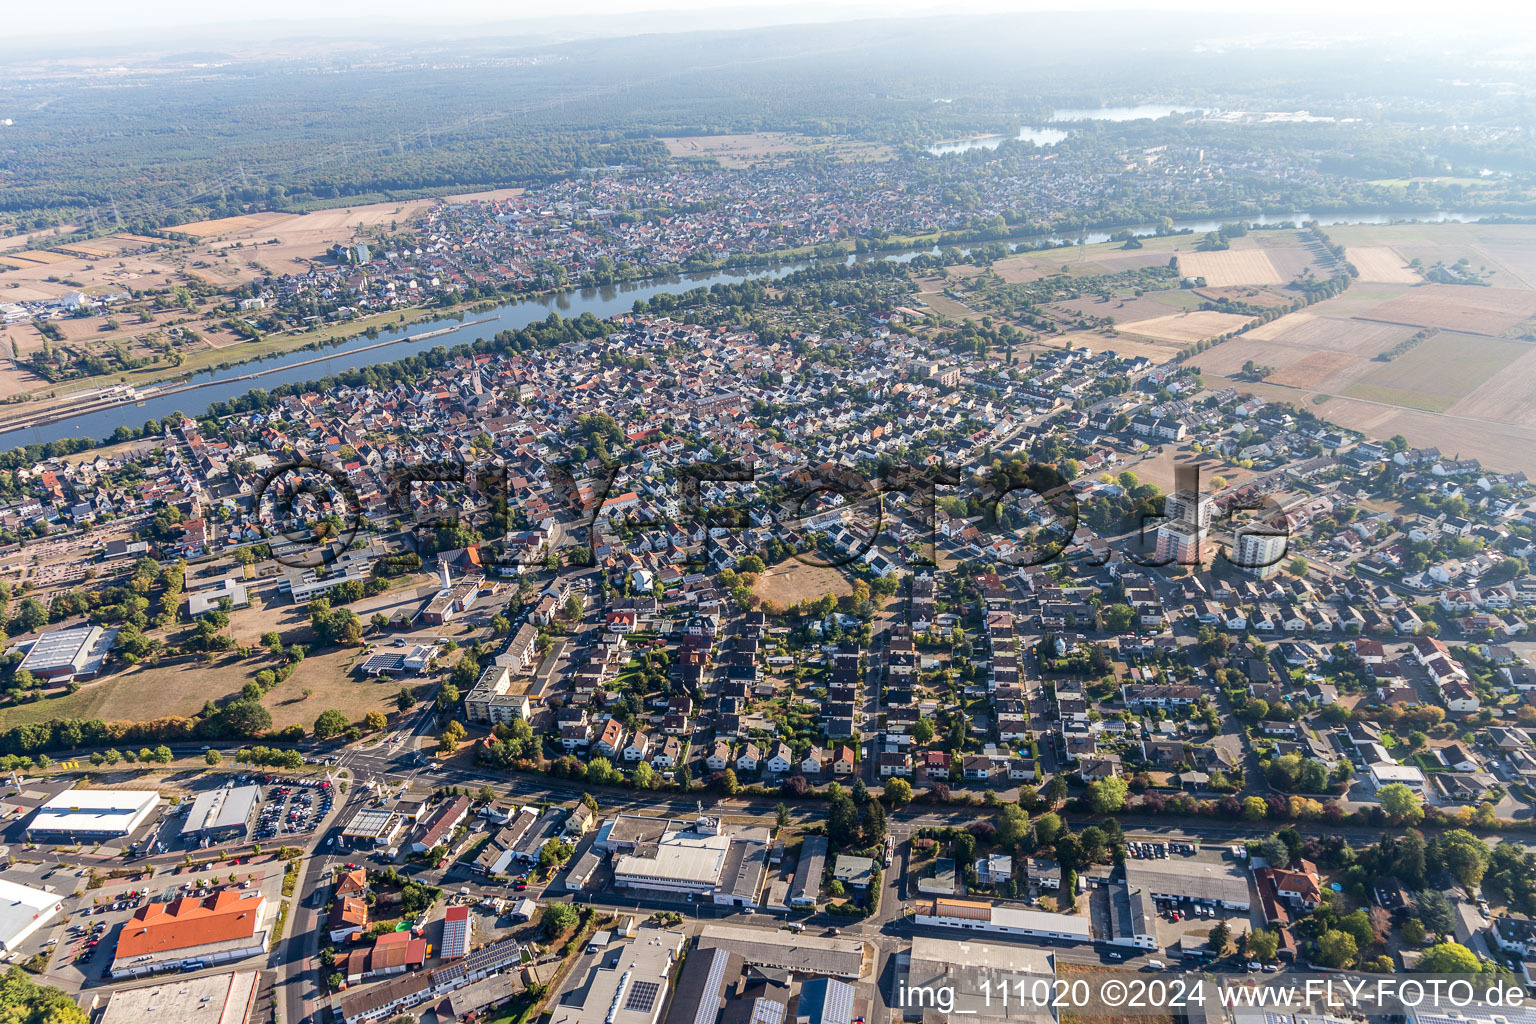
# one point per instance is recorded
(1435, 911)
(1450, 958)
(1401, 803)
(559, 918)
(330, 724)
(1012, 824)
(404, 701)
(1466, 855)
(922, 732)
(1263, 945)
(1107, 796)
(212, 758)
(1219, 941)
(898, 792)
(842, 817)
(1336, 948)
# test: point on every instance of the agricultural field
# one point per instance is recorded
(1505, 252)
(1491, 311)
(1232, 268)
(1381, 264)
(1186, 328)
(1439, 372)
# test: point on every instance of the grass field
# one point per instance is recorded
(1438, 373)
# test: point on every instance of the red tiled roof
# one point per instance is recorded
(161, 927)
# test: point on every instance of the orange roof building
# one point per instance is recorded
(227, 926)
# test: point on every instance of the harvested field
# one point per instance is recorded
(1489, 311)
(1509, 396)
(792, 581)
(1277, 328)
(225, 225)
(40, 256)
(1357, 337)
(1438, 373)
(1312, 370)
(1382, 264)
(1017, 270)
(1230, 268)
(1187, 327)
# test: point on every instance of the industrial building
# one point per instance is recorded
(226, 998)
(806, 888)
(222, 814)
(627, 985)
(974, 971)
(23, 910)
(986, 917)
(1221, 883)
(813, 955)
(66, 655)
(700, 861)
(81, 814)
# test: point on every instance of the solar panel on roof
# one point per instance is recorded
(642, 996)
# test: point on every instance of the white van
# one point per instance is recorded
(1157, 965)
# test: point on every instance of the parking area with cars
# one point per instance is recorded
(292, 808)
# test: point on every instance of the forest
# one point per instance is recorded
(169, 141)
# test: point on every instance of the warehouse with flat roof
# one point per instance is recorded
(222, 814)
(23, 910)
(1223, 883)
(65, 655)
(77, 814)
(211, 999)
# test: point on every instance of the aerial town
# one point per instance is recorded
(874, 570)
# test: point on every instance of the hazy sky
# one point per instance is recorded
(97, 17)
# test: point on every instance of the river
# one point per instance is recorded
(209, 386)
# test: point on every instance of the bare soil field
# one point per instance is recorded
(1187, 328)
(1231, 268)
(792, 581)
(1357, 337)
(1305, 345)
(1312, 369)
(1468, 308)
(1381, 264)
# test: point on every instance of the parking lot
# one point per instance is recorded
(293, 808)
